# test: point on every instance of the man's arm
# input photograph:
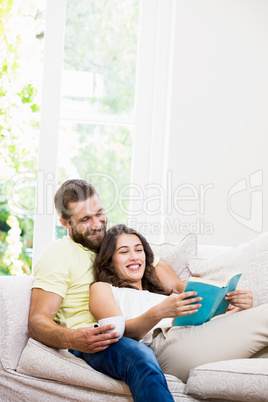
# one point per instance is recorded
(44, 307)
(169, 280)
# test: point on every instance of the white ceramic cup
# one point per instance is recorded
(118, 321)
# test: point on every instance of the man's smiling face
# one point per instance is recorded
(87, 223)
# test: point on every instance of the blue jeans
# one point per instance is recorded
(136, 365)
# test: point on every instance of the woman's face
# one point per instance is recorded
(129, 258)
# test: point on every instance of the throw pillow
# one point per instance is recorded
(178, 255)
(249, 258)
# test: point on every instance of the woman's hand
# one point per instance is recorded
(177, 305)
(242, 299)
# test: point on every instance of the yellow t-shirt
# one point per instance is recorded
(65, 268)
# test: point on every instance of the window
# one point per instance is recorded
(98, 96)
(91, 47)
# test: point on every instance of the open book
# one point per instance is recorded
(213, 302)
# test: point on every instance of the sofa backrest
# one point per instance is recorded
(15, 296)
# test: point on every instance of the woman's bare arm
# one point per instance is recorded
(102, 305)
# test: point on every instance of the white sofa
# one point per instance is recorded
(30, 371)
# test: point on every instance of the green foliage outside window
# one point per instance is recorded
(20, 66)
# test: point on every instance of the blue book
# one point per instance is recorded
(213, 302)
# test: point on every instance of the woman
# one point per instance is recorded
(127, 285)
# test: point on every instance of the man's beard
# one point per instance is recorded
(92, 244)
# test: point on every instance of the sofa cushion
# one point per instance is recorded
(233, 380)
(206, 251)
(178, 255)
(38, 360)
(15, 296)
(250, 258)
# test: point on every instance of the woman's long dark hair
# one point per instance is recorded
(103, 266)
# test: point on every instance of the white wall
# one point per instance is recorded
(209, 142)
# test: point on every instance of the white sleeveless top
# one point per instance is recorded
(133, 303)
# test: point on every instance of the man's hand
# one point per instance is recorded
(242, 299)
(92, 340)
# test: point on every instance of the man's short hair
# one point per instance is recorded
(74, 190)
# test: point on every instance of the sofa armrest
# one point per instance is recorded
(15, 296)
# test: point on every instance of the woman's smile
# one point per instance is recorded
(129, 258)
(134, 267)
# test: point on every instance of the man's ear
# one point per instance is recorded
(64, 223)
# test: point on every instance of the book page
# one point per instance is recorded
(212, 282)
(204, 280)
(229, 277)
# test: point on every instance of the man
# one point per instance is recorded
(59, 315)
